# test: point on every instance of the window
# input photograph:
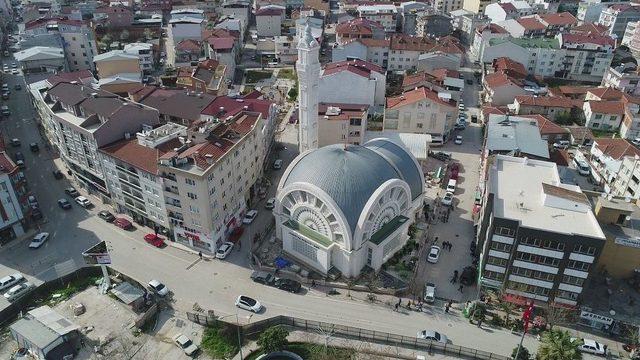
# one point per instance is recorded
(538, 259)
(504, 231)
(578, 265)
(572, 280)
(493, 275)
(567, 295)
(419, 125)
(194, 209)
(584, 249)
(598, 116)
(82, 46)
(498, 246)
(190, 181)
(192, 196)
(497, 261)
(540, 275)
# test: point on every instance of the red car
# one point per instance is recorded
(123, 223)
(154, 240)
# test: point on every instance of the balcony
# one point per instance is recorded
(172, 189)
(173, 202)
(131, 170)
(170, 177)
(175, 215)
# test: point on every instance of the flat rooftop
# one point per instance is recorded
(530, 191)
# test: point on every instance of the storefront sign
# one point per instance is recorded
(192, 236)
(596, 318)
(635, 243)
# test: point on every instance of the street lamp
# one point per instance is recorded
(237, 330)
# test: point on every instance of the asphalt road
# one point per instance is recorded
(213, 284)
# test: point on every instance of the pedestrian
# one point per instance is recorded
(446, 308)
(239, 245)
(200, 254)
(82, 344)
(450, 246)
(397, 306)
(460, 287)
(480, 323)
(313, 283)
(453, 280)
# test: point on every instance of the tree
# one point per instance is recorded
(522, 355)
(557, 315)
(293, 92)
(106, 41)
(273, 339)
(558, 345)
(124, 35)
(148, 34)
(505, 306)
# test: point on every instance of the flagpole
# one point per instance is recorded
(526, 317)
(520, 345)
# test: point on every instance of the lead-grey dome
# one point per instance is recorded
(350, 176)
(402, 160)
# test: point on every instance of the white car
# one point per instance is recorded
(247, 303)
(185, 344)
(434, 254)
(429, 293)
(38, 240)
(83, 201)
(250, 216)
(270, 204)
(15, 72)
(10, 280)
(447, 199)
(458, 140)
(158, 287)
(18, 291)
(224, 250)
(592, 346)
(433, 336)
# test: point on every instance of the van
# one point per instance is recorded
(451, 186)
(429, 293)
(582, 167)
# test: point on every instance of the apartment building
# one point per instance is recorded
(269, 20)
(384, 14)
(538, 238)
(133, 180)
(211, 180)
(603, 114)
(145, 55)
(616, 17)
(625, 79)
(421, 111)
(80, 119)
(508, 10)
(368, 78)
(606, 156)
(358, 28)
(476, 6)
(547, 106)
(77, 37)
(238, 9)
(446, 6)
(13, 199)
(405, 51)
(589, 11)
(482, 37)
(341, 123)
(375, 51)
(186, 24)
(467, 22)
(206, 77)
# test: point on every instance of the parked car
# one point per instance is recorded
(36, 214)
(4, 110)
(289, 285)
(270, 204)
(263, 277)
(18, 291)
(185, 344)
(57, 174)
(19, 156)
(469, 82)
(459, 126)
(429, 293)
(447, 199)
(10, 280)
(34, 147)
(17, 87)
(5, 96)
(39, 240)
(582, 166)
(433, 336)
(5, 87)
(106, 216)
(32, 201)
(277, 165)
(64, 204)
(224, 250)
(592, 347)
(247, 303)
(15, 71)
(154, 240)
(84, 202)
(249, 216)
(15, 142)
(441, 155)
(434, 254)
(561, 144)
(158, 288)
(458, 140)
(123, 223)
(72, 192)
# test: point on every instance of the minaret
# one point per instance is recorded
(308, 67)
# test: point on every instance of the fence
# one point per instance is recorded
(252, 330)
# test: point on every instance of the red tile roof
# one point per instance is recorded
(374, 42)
(225, 43)
(559, 19)
(441, 74)
(358, 67)
(188, 45)
(6, 164)
(269, 11)
(590, 28)
(131, 152)
(546, 126)
(496, 80)
(581, 38)
(412, 96)
(509, 67)
(79, 75)
(531, 23)
(566, 90)
(232, 106)
(606, 107)
(606, 93)
(493, 28)
(508, 7)
(547, 101)
(416, 79)
(616, 148)
(489, 110)
(358, 26)
(447, 45)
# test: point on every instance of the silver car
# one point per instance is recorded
(433, 336)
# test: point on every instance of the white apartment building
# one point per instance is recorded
(631, 37)
(12, 188)
(210, 181)
(386, 15)
(616, 17)
(186, 24)
(508, 10)
(623, 79)
(447, 6)
(77, 37)
(341, 123)
(589, 10)
(606, 157)
(627, 182)
(81, 119)
(368, 78)
(375, 51)
(145, 55)
(131, 169)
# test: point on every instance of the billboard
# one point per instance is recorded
(97, 254)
